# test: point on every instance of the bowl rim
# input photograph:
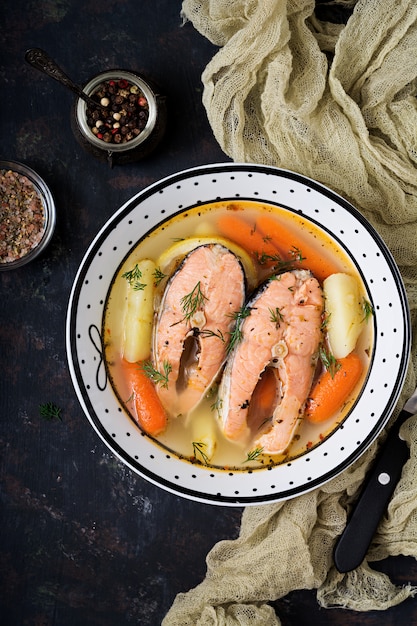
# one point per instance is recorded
(49, 208)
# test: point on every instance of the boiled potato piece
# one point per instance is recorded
(138, 319)
(344, 312)
(203, 435)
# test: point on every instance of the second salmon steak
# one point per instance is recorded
(280, 335)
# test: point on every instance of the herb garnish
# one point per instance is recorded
(192, 302)
(280, 263)
(368, 309)
(217, 405)
(158, 276)
(155, 376)
(276, 316)
(275, 258)
(198, 449)
(253, 454)
(297, 254)
(50, 411)
(236, 335)
(325, 321)
(331, 364)
(133, 278)
(206, 332)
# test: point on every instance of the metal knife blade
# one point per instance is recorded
(353, 543)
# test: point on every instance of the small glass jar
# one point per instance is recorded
(123, 151)
(27, 215)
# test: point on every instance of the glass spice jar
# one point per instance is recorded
(129, 121)
(27, 215)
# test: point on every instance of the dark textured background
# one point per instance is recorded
(83, 540)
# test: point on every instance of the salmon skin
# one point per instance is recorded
(282, 330)
(193, 325)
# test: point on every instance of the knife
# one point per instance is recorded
(353, 543)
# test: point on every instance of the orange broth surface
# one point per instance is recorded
(182, 434)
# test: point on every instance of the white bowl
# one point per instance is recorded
(176, 194)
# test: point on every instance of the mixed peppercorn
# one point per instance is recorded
(22, 216)
(121, 114)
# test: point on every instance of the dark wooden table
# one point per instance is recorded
(83, 540)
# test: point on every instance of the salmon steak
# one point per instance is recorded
(194, 323)
(279, 337)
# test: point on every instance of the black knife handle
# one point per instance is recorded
(353, 544)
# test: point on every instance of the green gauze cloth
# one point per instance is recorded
(336, 103)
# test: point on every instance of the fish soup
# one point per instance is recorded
(178, 345)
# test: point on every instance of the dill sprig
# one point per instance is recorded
(236, 335)
(276, 317)
(198, 449)
(368, 309)
(263, 258)
(253, 454)
(206, 332)
(297, 254)
(50, 411)
(192, 302)
(331, 364)
(217, 405)
(280, 263)
(158, 276)
(325, 321)
(157, 377)
(133, 278)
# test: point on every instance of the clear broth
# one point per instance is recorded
(201, 221)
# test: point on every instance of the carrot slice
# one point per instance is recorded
(285, 240)
(246, 235)
(149, 411)
(330, 393)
